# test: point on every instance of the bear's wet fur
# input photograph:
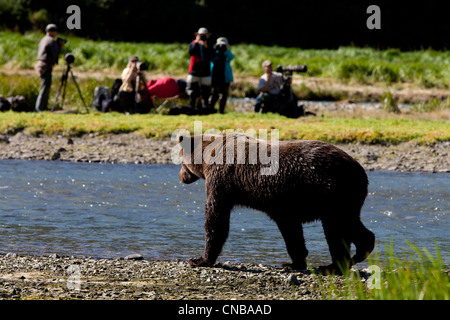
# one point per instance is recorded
(312, 180)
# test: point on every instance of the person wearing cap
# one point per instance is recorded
(129, 75)
(269, 87)
(221, 73)
(48, 53)
(199, 77)
(133, 88)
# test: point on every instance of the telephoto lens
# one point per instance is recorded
(141, 66)
(69, 57)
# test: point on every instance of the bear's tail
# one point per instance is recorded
(364, 240)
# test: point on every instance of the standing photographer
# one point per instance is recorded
(48, 54)
(199, 77)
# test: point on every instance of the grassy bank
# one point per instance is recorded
(330, 129)
(424, 68)
(415, 275)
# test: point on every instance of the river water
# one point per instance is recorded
(111, 210)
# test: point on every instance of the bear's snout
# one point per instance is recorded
(186, 176)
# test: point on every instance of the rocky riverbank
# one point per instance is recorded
(132, 148)
(54, 277)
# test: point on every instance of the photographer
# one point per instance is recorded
(221, 72)
(276, 93)
(48, 54)
(133, 96)
(199, 77)
(269, 87)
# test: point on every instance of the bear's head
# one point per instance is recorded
(191, 170)
(199, 154)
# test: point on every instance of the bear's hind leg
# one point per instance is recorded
(292, 232)
(338, 235)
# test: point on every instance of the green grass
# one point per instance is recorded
(414, 275)
(365, 65)
(28, 86)
(330, 129)
(424, 68)
(13, 85)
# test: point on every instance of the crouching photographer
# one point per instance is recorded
(276, 93)
(269, 87)
(133, 96)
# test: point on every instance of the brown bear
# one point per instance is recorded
(307, 181)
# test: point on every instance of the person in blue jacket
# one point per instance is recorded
(221, 73)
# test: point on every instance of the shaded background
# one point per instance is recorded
(307, 24)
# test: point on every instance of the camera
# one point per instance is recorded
(69, 57)
(203, 37)
(221, 47)
(290, 69)
(141, 66)
(61, 41)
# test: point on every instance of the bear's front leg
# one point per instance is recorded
(217, 225)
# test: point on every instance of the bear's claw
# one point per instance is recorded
(293, 266)
(199, 262)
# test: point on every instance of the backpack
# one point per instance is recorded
(4, 104)
(19, 104)
(100, 94)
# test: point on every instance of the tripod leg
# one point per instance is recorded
(62, 85)
(294, 104)
(79, 92)
(64, 94)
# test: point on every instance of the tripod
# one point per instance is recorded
(289, 108)
(63, 87)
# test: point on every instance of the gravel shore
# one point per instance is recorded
(54, 277)
(132, 148)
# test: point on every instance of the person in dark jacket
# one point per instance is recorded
(221, 74)
(199, 77)
(48, 53)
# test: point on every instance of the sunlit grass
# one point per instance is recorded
(424, 68)
(415, 274)
(330, 129)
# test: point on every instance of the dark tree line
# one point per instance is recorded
(306, 24)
